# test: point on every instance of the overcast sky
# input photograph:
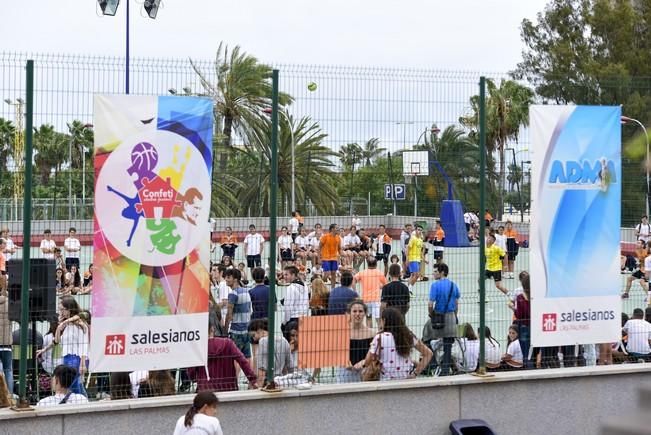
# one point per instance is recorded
(461, 34)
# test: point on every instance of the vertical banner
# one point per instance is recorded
(153, 166)
(575, 228)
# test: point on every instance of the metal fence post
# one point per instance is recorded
(27, 226)
(273, 212)
(482, 225)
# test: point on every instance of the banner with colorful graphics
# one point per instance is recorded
(575, 225)
(153, 166)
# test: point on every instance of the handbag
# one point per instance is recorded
(373, 371)
(438, 318)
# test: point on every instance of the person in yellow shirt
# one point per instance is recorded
(494, 256)
(415, 255)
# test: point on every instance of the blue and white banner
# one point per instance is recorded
(575, 228)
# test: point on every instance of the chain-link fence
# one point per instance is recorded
(346, 156)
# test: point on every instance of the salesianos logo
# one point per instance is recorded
(598, 174)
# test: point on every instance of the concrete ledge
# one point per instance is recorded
(578, 398)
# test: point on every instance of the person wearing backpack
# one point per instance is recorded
(643, 229)
(443, 305)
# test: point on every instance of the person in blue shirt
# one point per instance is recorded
(259, 295)
(443, 298)
(341, 296)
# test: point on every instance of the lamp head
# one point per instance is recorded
(109, 7)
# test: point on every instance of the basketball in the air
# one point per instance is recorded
(144, 156)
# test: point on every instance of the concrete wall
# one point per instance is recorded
(562, 401)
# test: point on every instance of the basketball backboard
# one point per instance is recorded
(415, 163)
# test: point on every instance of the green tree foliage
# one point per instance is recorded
(596, 52)
(507, 110)
(315, 179)
(242, 95)
(350, 155)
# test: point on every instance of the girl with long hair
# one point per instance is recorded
(319, 299)
(200, 418)
(74, 279)
(393, 345)
(72, 334)
(513, 358)
(466, 350)
(158, 383)
(492, 350)
(360, 341)
(522, 314)
(120, 386)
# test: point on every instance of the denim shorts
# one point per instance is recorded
(242, 341)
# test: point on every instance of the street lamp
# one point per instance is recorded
(626, 120)
(519, 184)
(433, 130)
(83, 170)
(268, 111)
(110, 7)
(404, 131)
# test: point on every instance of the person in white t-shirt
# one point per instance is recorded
(393, 346)
(352, 245)
(200, 418)
(493, 357)
(465, 351)
(253, 245)
(356, 222)
(48, 245)
(72, 247)
(62, 379)
(643, 229)
(303, 247)
(219, 289)
(639, 336)
(285, 247)
(293, 225)
(10, 248)
(513, 357)
(297, 299)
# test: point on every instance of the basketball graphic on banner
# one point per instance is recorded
(144, 156)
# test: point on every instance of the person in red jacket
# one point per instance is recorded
(222, 355)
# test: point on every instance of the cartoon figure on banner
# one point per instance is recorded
(158, 200)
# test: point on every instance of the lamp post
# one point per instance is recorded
(83, 166)
(519, 183)
(522, 163)
(626, 120)
(110, 7)
(291, 134)
(433, 130)
(404, 131)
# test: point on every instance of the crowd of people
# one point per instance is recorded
(322, 272)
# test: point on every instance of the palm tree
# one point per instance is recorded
(350, 155)
(51, 151)
(372, 151)
(507, 110)
(515, 176)
(458, 155)
(81, 136)
(7, 133)
(316, 185)
(241, 93)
